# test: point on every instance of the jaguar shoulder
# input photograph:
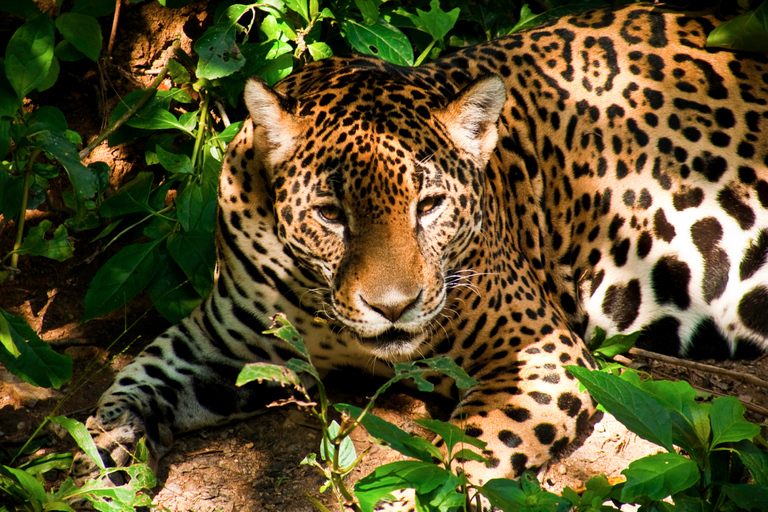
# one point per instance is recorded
(494, 206)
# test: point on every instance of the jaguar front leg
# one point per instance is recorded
(527, 409)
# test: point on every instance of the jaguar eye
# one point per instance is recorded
(331, 213)
(428, 204)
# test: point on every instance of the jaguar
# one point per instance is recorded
(495, 206)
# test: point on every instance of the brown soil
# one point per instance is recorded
(252, 464)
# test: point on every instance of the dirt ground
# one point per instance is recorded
(250, 465)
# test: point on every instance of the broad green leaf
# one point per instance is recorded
(171, 292)
(82, 31)
(11, 194)
(9, 107)
(381, 39)
(617, 344)
(728, 423)
(347, 453)
(66, 51)
(640, 412)
(57, 145)
(369, 10)
(394, 436)
(301, 7)
(174, 162)
(179, 73)
(29, 54)
(52, 77)
(58, 248)
(28, 357)
(467, 454)
(29, 483)
(156, 118)
(436, 22)
(448, 366)
(81, 436)
(219, 54)
(748, 496)
(746, 32)
(195, 254)
(424, 477)
(196, 207)
(302, 366)
(49, 462)
(755, 459)
(658, 476)
(319, 51)
(121, 278)
(450, 433)
(282, 328)
(130, 198)
(504, 494)
(270, 372)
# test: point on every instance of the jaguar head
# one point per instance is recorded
(378, 190)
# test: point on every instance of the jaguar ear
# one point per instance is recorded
(276, 128)
(471, 116)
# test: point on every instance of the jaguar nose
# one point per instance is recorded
(393, 308)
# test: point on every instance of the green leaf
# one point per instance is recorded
(270, 372)
(728, 423)
(640, 412)
(529, 20)
(448, 366)
(617, 344)
(504, 494)
(467, 454)
(57, 145)
(319, 51)
(195, 254)
(424, 477)
(66, 51)
(9, 107)
(174, 162)
(49, 462)
(29, 54)
(283, 329)
(369, 10)
(381, 40)
(81, 31)
(748, 496)
(121, 278)
(52, 77)
(81, 436)
(755, 459)
(302, 366)
(658, 476)
(130, 198)
(436, 22)
(156, 118)
(395, 437)
(746, 32)
(347, 453)
(171, 292)
(196, 207)
(59, 248)
(450, 433)
(219, 54)
(28, 357)
(33, 488)
(179, 73)
(301, 7)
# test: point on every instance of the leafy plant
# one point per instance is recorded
(718, 441)
(22, 487)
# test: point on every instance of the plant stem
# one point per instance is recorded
(424, 54)
(23, 213)
(133, 109)
(201, 127)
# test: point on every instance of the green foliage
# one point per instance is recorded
(716, 438)
(746, 32)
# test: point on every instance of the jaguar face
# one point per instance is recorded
(380, 204)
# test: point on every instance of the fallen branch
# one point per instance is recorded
(749, 379)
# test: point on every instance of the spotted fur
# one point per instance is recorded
(494, 206)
